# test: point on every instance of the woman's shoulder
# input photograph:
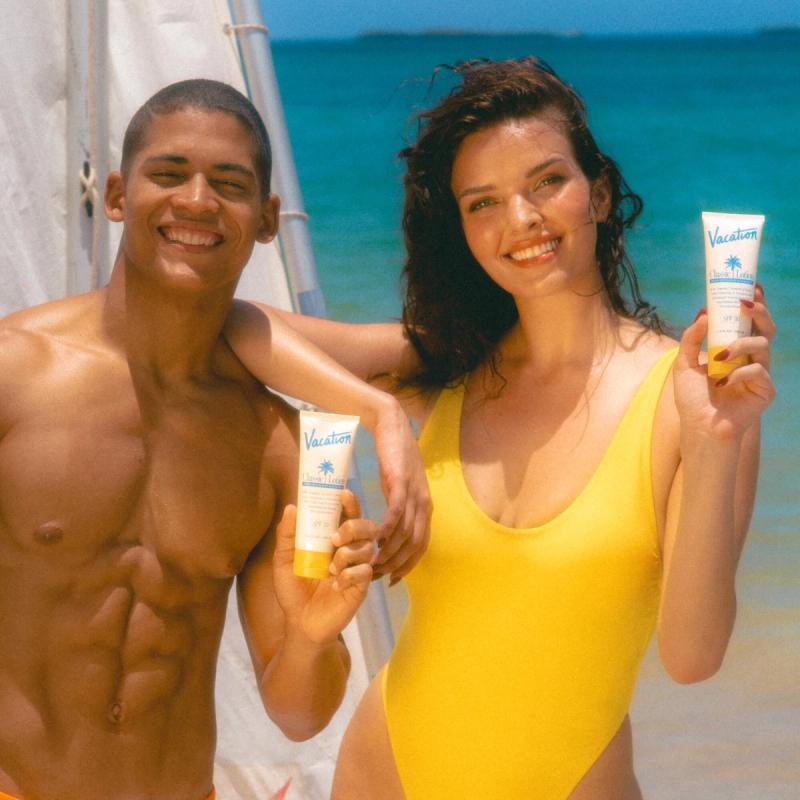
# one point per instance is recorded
(642, 347)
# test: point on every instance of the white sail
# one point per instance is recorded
(74, 73)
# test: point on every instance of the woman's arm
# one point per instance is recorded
(280, 357)
(712, 497)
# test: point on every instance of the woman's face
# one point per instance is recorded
(528, 212)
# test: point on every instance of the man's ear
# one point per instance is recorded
(268, 227)
(114, 197)
(601, 199)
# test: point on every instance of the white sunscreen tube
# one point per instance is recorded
(731, 243)
(326, 449)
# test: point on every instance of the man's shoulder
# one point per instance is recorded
(59, 319)
(36, 339)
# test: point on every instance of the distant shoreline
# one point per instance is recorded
(381, 33)
(776, 33)
(782, 31)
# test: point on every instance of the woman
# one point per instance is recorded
(589, 483)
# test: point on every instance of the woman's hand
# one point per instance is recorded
(727, 408)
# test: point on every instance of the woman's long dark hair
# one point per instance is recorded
(453, 313)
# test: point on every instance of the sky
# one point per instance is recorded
(325, 19)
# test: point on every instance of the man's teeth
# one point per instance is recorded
(536, 250)
(191, 237)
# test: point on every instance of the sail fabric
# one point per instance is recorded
(45, 117)
(32, 153)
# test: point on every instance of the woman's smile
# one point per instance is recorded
(524, 253)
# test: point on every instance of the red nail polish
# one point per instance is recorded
(748, 303)
(700, 314)
(722, 355)
(720, 383)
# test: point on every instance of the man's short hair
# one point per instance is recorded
(206, 95)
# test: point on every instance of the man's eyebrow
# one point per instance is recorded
(225, 166)
(234, 167)
(530, 173)
(173, 159)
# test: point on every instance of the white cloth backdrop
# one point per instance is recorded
(150, 43)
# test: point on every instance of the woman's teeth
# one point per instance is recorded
(535, 250)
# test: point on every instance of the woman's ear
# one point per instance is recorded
(114, 197)
(600, 199)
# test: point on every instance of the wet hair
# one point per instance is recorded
(205, 95)
(453, 313)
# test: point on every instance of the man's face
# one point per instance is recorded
(191, 202)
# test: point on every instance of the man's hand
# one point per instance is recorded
(405, 529)
(319, 610)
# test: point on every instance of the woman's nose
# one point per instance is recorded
(522, 212)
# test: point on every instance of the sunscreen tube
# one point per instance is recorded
(326, 448)
(731, 242)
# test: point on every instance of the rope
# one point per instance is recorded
(88, 181)
(245, 26)
(296, 214)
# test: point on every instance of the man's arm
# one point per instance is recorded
(286, 361)
(293, 625)
(368, 351)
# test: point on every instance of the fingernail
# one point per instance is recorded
(747, 303)
(722, 355)
(700, 314)
(721, 382)
(759, 286)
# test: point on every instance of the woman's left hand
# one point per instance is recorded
(726, 408)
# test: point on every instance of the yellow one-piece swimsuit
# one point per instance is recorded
(517, 660)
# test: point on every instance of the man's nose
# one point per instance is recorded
(195, 196)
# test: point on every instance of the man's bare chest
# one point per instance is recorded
(90, 471)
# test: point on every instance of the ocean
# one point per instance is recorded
(696, 123)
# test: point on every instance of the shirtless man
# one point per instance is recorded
(143, 470)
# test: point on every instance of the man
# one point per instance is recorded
(142, 470)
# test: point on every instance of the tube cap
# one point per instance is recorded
(311, 564)
(719, 369)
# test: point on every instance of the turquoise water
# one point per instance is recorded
(695, 123)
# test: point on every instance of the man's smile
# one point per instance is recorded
(190, 236)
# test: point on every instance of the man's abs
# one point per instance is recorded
(106, 694)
